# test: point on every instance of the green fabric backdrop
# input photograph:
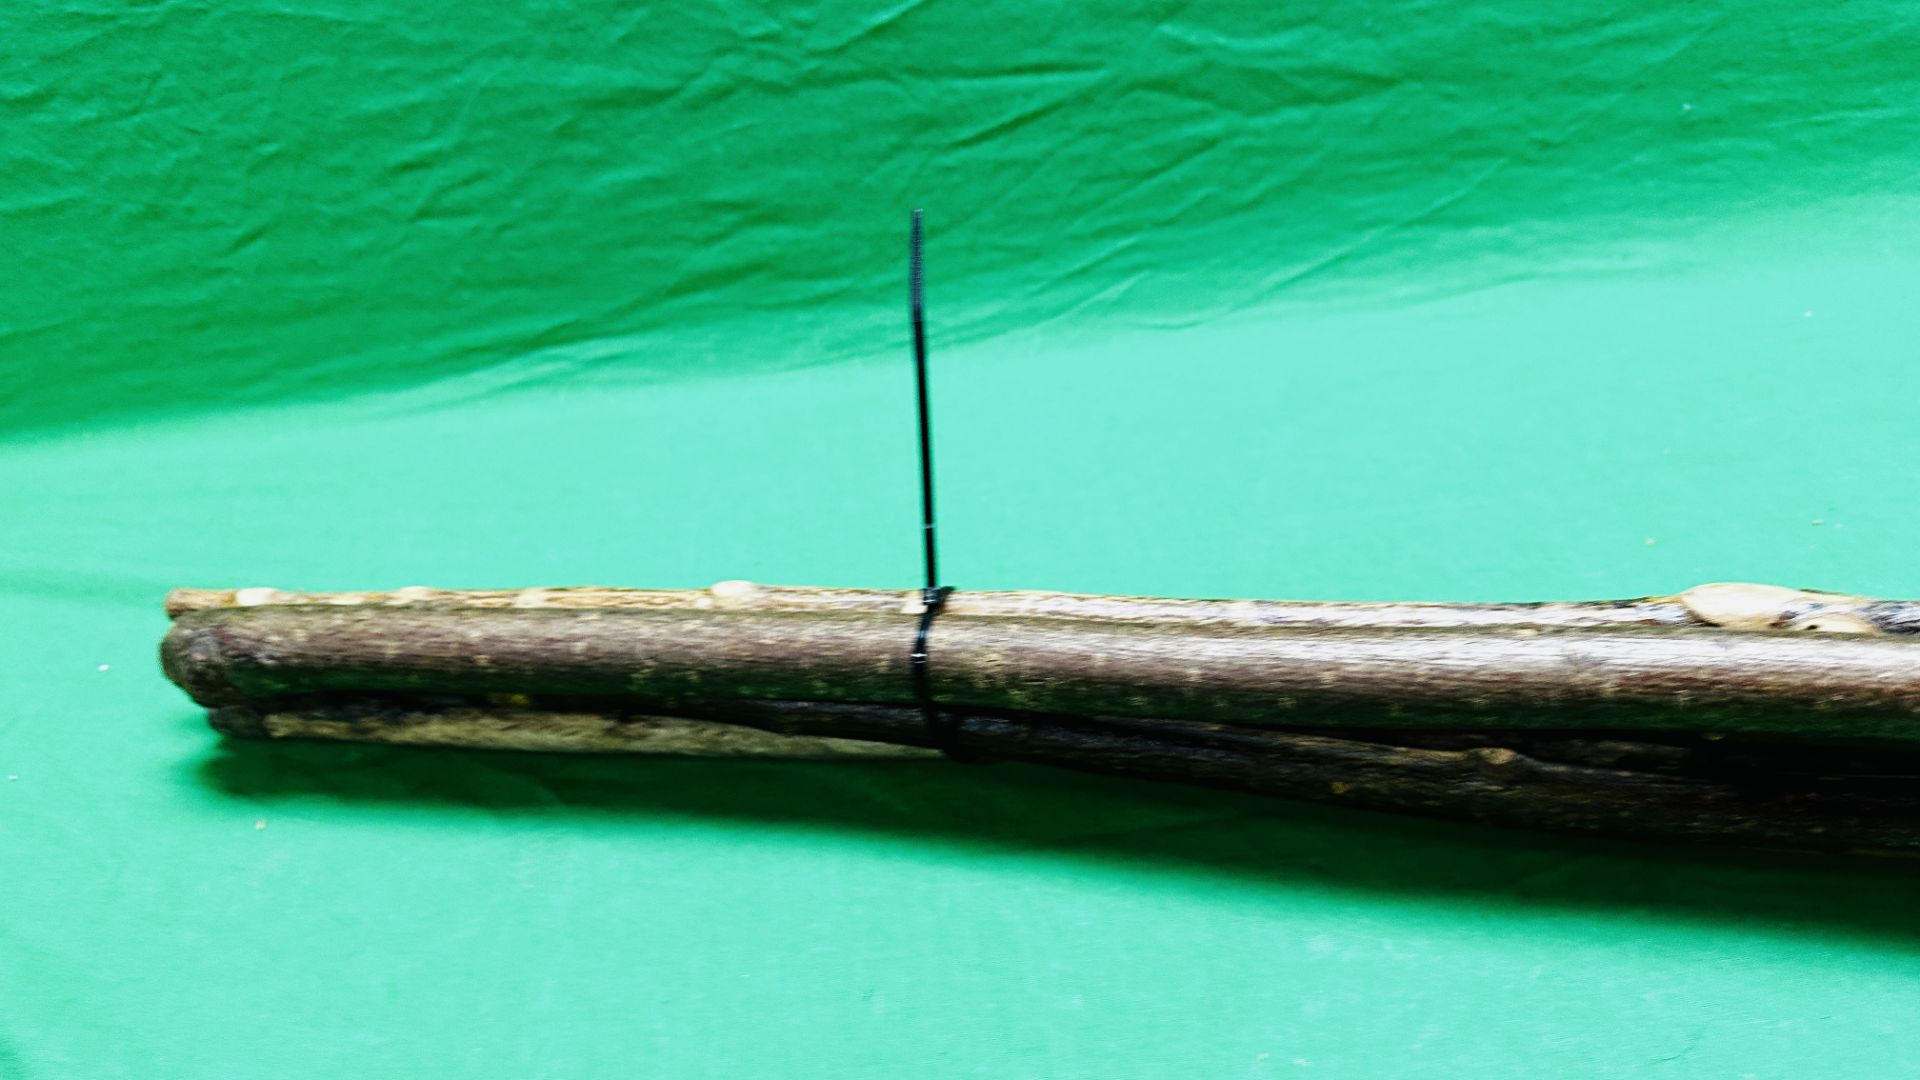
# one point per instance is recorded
(1365, 299)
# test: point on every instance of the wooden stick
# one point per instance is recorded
(1726, 605)
(1520, 665)
(1700, 679)
(1679, 798)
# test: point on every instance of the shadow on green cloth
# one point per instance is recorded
(1008, 810)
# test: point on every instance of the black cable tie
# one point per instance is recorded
(933, 598)
(940, 727)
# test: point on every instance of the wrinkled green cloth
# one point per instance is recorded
(1408, 300)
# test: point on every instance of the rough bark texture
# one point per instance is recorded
(1841, 685)
(483, 725)
(1757, 794)
(1447, 710)
(748, 596)
(1728, 605)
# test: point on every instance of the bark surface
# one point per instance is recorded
(1461, 678)
(1697, 791)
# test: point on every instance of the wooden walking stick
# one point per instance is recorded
(1729, 712)
(1735, 713)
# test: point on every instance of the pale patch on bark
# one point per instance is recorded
(1734, 605)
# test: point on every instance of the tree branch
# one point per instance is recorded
(1696, 679)
(1727, 605)
(1687, 799)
